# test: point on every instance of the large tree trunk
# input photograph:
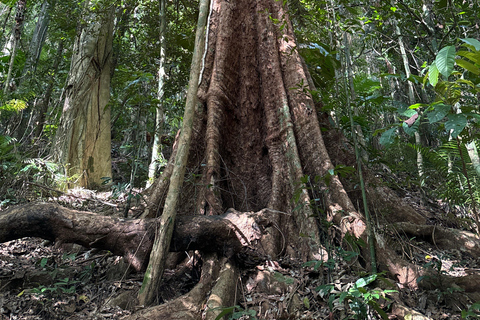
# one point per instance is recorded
(83, 138)
(256, 134)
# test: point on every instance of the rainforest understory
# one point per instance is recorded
(267, 224)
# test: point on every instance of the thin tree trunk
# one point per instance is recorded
(411, 97)
(156, 149)
(349, 75)
(48, 92)
(36, 44)
(154, 273)
(17, 32)
(473, 154)
(4, 38)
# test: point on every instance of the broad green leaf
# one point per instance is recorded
(468, 66)
(456, 123)
(473, 56)
(433, 74)
(410, 130)
(445, 61)
(408, 113)
(387, 137)
(440, 111)
(362, 282)
(472, 42)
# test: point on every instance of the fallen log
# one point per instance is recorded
(228, 234)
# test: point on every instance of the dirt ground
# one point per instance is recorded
(44, 280)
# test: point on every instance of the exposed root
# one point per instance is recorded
(188, 306)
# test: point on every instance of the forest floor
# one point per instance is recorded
(44, 280)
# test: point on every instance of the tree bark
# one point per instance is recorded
(83, 138)
(154, 273)
(228, 235)
(17, 32)
(156, 149)
(37, 41)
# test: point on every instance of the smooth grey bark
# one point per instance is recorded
(3, 37)
(38, 39)
(17, 32)
(156, 149)
(83, 139)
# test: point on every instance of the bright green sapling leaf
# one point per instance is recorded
(445, 61)
(433, 74)
(468, 66)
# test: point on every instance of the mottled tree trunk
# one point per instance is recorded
(17, 32)
(36, 44)
(156, 149)
(83, 140)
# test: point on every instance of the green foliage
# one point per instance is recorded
(473, 311)
(67, 285)
(446, 169)
(237, 312)
(445, 61)
(359, 298)
(321, 63)
(14, 105)
(62, 286)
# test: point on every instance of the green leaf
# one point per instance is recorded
(433, 74)
(445, 61)
(306, 302)
(410, 130)
(225, 312)
(362, 282)
(416, 105)
(473, 56)
(473, 42)
(456, 123)
(43, 262)
(324, 289)
(468, 66)
(408, 113)
(387, 137)
(438, 113)
(379, 310)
